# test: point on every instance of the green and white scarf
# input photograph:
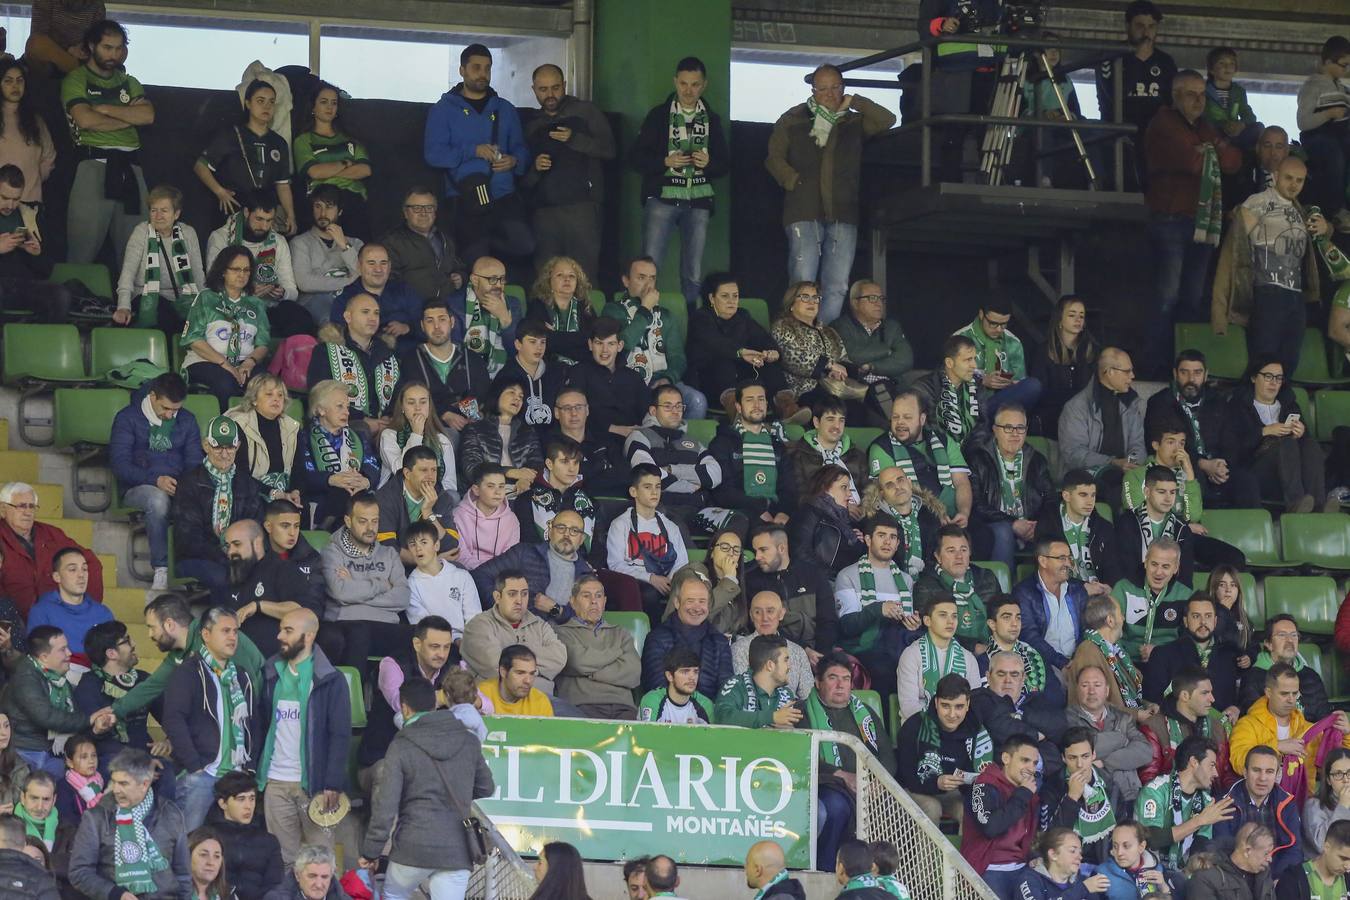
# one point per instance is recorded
(483, 333)
(933, 670)
(1096, 817)
(894, 886)
(332, 461)
(913, 535)
(1175, 737)
(759, 464)
(222, 501)
(58, 688)
(1079, 539)
(115, 687)
(648, 356)
(834, 457)
(233, 739)
(1010, 484)
(152, 270)
(956, 421)
(42, 829)
(688, 136)
(937, 443)
(781, 876)
(161, 430)
(345, 367)
(566, 322)
(979, 747)
(963, 592)
(1183, 810)
(1128, 679)
(867, 583)
(822, 121)
(432, 443)
(136, 857)
(1209, 204)
(820, 721)
(1188, 410)
(781, 695)
(860, 883)
(1033, 664)
(1171, 527)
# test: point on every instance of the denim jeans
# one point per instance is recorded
(1006, 884)
(1328, 150)
(400, 882)
(1180, 282)
(996, 541)
(695, 404)
(212, 574)
(835, 812)
(659, 219)
(54, 766)
(156, 505)
(823, 252)
(196, 796)
(1026, 394)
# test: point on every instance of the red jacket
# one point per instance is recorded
(1000, 821)
(1174, 166)
(1342, 633)
(25, 576)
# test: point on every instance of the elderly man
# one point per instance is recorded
(1258, 797)
(264, 586)
(930, 458)
(1006, 707)
(875, 343)
(551, 570)
(132, 843)
(1011, 484)
(313, 876)
(1243, 874)
(28, 548)
(1052, 603)
(39, 703)
(1101, 428)
(421, 254)
(1101, 648)
(1153, 609)
(1187, 158)
(1121, 747)
(603, 666)
(509, 622)
(689, 627)
(766, 616)
(1281, 645)
(487, 316)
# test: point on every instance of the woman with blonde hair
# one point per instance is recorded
(560, 298)
(813, 354)
(270, 436)
(414, 422)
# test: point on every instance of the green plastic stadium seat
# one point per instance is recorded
(85, 415)
(1318, 539)
(1225, 355)
(356, 695)
(1313, 363)
(701, 430)
(203, 407)
(873, 701)
(794, 432)
(1305, 403)
(893, 719)
(1106, 512)
(1333, 408)
(862, 435)
(517, 291)
(1256, 610)
(317, 539)
(597, 299)
(43, 352)
(1311, 599)
(92, 275)
(1024, 571)
(998, 569)
(697, 554)
(1251, 531)
(110, 348)
(635, 623)
(758, 310)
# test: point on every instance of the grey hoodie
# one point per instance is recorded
(375, 588)
(427, 753)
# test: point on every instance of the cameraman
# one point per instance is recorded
(964, 75)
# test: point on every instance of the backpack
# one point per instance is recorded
(291, 361)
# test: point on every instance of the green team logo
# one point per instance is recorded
(761, 478)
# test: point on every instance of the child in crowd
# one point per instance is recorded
(1226, 103)
(461, 694)
(83, 786)
(437, 587)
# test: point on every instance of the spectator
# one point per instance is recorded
(206, 501)
(475, 136)
(529, 369)
(823, 530)
(1120, 747)
(324, 257)
(1328, 805)
(436, 586)
(281, 522)
(1156, 517)
(421, 254)
(766, 872)
(929, 458)
(551, 569)
(561, 298)
(69, 607)
(105, 107)
(645, 543)
(1146, 79)
(885, 863)
(829, 444)
(355, 356)
(1132, 866)
(853, 871)
(82, 785)
(679, 702)
(113, 674)
(820, 211)
(1055, 868)
(1187, 158)
(917, 510)
(461, 694)
(602, 465)
(723, 570)
(812, 619)
(935, 654)
(1005, 632)
(731, 347)
(1177, 808)
(146, 856)
(679, 149)
(620, 395)
(29, 547)
(1066, 363)
(758, 484)
(37, 810)
(13, 768)
(306, 704)
(250, 156)
(1153, 607)
(1010, 484)
(955, 390)
(1051, 604)
(689, 471)
(399, 305)
(314, 876)
(415, 787)
(1243, 874)
(948, 748)
(503, 437)
(210, 715)
(458, 381)
(415, 495)
(206, 864)
(1258, 797)
(813, 355)
(766, 614)
(1258, 169)
(25, 140)
(953, 575)
(1000, 360)
(509, 622)
(1101, 428)
(18, 870)
(1266, 435)
(1325, 869)
(559, 873)
(1226, 105)
(488, 316)
(254, 227)
(1100, 648)
(1281, 645)
(23, 275)
(603, 667)
(1324, 130)
(161, 266)
(227, 332)
(1195, 645)
(326, 156)
(1090, 537)
(487, 527)
(367, 588)
(1001, 814)
(874, 598)
(760, 697)
(40, 705)
(433, 643)
(265, 586)
(1275, 714)
(874, 342)
(689, 627)
(1189, 709)
(270, 436)
(337, 461)
(1235, 626)
(1007, 707)
(570, 140)
(513, 692)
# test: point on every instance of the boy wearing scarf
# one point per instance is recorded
(358, 358)
(955, 392)
(1079, 797)
(679, 150)
(948, 747)
(1154, 520)
(752, 453)
(929, 458)
(853, 871)
(557, 489)
(934, 655)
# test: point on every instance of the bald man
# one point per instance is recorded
(1101, 428)
(766, 872)
(307, 708)
(1185, 155)
(354, 355)
(488, 317)
(264, 587)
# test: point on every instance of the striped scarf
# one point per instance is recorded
(1209, 204)
(1128, 679)
(222, 500)
(900, 456)
(688, 136)
(152, 270)
(867, 582)
(483, 333)
(932, 670)
(822, 121)
(958, 407)
(759, 463)
(820, 721)
(136, 857)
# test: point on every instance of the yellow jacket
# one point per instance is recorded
(1258, 727)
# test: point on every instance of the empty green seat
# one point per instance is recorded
(204, 407)
(999, 569)
(1251, 531)
(1314, 366)
(862, 435)
(1106, 512)
(597, 299)
(758, 310)
(356, 695)
(701, 430)
(517, 291)
(1311, 599)
(85, 415)
(1333, 408)
(93, 276)
(110, 348)
(1318, 539)
(873, 701)
(1305, 404)
(697, 554)
(43, 352)
(317, 539)
(1256, 611)
(1225, 355)
(635, 623)
(893, 719)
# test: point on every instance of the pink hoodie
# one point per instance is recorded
(483, 536)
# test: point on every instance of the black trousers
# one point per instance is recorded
(352, 643)
(1291, 469)
(572, 230)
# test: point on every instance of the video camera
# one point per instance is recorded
(1023, 17)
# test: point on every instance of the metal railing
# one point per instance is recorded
(930, 866)
(504, 876)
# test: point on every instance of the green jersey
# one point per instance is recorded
(992, 356)
(1161, 804)
(246, 657)
(1149, 619)
(83, 85)
(233, 328)
(313, 149)
(742, 702)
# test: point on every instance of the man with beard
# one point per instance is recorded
(488, 317)
(324, 257)
(812, 620)
(433, 644)
(550, 567)
(413, 494)
(356, 357)
(1191, 401)
(306, 709)
(757, 481)
(264, 587)
(689, 470)
(1196, 645)
(273, 270)
(281, 522)
(400, 307)
(874, 599)
(929, 459)
(455, 378)
(112, 654)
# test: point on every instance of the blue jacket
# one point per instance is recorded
(74, 621)
(134, 463)
(712, 647)
(1279, 813)
(455, 129)
(328, 725)
(1036, 618)
(398, 303)
(531, 560)
(1123, 886)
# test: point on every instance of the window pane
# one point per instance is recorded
(419, 69)
(198, 56)
(761, 92)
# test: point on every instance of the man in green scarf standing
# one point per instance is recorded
(767, 874)
(1154, 608)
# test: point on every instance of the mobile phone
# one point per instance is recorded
(1293, 417)
(21, 231)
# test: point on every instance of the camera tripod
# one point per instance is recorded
(997, 149)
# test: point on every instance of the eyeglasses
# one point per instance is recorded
(493, 280)
(1343, 775)
(1063, 557)
(808, 298)
(24, 505)
(998, 325)
(125, 642)
(573, 408)
(245, 269)
(1285, 635)
(872, 298)
(420, 207)
(671, 407)
(1271, 377)
(1121, 370)
(1012, 429)
(569, 530)
(727, 548)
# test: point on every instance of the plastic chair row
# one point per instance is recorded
(1226, 355)
(55, 353)
(1321, 540)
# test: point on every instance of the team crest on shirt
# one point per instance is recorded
(761, 478)
(1154, 71)
(1150, 809)
(266, 273)
(258, 591)
(275, 154)
(124, 96)
(1170, 614)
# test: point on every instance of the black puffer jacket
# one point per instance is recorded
(1242, 436)
(23, 879)
(252, 856)
(481, 442)
(822, 534)
(193, 535)
(1039, 494)
(712, 647)
(712, 358)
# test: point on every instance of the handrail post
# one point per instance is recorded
(926, 110)
(1118, 98)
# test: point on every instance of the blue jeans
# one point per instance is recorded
(196, 796)
(996, 541)
(695, 404)
(54, 766)
(1179, 286)
(212, 574)
(1026, 394)
(400, 882)
(823, 252)
(834, 809)
(659, 219)
(156, 505)
(1006, 885)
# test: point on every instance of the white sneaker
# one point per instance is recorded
(161, 582)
